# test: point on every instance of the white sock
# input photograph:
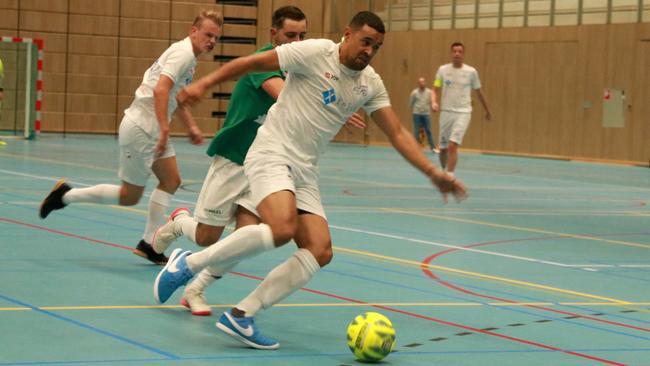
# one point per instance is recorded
(281, 282)
(207, 276)
(101, 193)
(188, 225)
(243, 243)
(158, 203)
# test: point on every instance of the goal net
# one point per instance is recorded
(21, 82)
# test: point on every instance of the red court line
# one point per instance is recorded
(448, 323)
(430, 274)
(32, 226)
(387, 308)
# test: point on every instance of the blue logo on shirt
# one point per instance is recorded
(329, 96)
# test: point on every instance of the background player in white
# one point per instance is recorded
(144, 136)
(326, 83)
(421, 106)
(457, 80)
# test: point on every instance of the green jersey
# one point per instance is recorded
(247, 109)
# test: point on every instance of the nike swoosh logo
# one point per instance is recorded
(173, 268)
(248, 331)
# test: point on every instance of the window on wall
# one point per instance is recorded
(488, 13)
(625, 11)
(465, 15)
(420, 14)
(566, 12)
(513, 13)
(594, 12)
(401, 15)
(539, 13)
(442, 12)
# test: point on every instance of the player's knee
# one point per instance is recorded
(128, 198)
(170, 186)
(205, 237)
(325, 256)
(283, 233)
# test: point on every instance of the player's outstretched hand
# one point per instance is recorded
(191, 94)
(356, 120)
(448, 184)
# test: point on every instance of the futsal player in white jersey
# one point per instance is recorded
(144, 136)
(456, 80)
(326, 83)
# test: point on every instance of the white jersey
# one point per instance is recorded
(420, 101)
(177, 63)
(457, 85)
(318, 97)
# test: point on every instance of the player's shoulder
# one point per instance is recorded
(446, 67)
(184, 47)
(469, 68)
(370, 73)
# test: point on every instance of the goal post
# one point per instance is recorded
(22, 84)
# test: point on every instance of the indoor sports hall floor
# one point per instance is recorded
(547, 263)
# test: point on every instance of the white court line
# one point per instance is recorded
(367, 232)
(76, 183)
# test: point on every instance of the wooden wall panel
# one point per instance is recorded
(93, 25)
(146, 9)
(144, 28)
(43, 21)
(639, 106)
(545, 86)
(9, 19)
(94, 7)
(50, 6)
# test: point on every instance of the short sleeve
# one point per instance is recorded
(297, 57)
(258, 78)
(438, 82)
(476, 83)
(379, 100)
(176, 64)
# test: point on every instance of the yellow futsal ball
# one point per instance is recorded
(371, 336)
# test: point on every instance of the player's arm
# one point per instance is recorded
(435, 93)
(405, 144)
(257, 62)
(481, 97)
(161, 102)
(193, 131)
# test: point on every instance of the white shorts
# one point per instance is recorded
(268, 174)
(453, 127)
(137, 153)
(225, 187)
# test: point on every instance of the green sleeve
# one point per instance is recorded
(258, 78)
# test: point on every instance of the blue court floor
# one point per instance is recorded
(546, 263)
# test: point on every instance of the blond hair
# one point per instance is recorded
(213, 15)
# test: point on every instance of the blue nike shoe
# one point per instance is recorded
(174, 275)
(245, 330)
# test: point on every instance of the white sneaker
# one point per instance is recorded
(168, 233)
(195, 302)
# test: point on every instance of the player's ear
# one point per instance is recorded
(346, 33)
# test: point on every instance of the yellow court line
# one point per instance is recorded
(448, 269)
(521, 228)
(484, 276)
(321, 305)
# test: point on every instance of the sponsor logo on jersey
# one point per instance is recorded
(329, 96)
(329, 75)
(361, 90)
